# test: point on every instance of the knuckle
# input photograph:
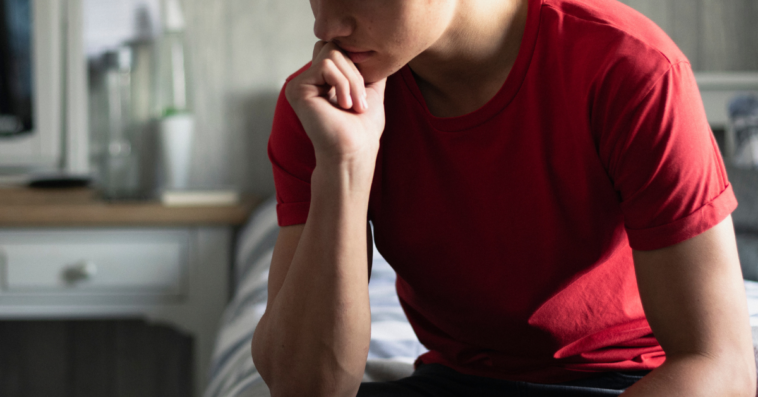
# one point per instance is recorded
(343, 85)
(326, 63)
(357, 81)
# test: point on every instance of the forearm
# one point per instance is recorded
(698, 375)
(315, 335)
(695, 302)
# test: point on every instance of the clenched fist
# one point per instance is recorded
(343, 116)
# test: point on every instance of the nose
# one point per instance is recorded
(333, 19)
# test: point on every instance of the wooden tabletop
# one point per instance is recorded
(23, 207)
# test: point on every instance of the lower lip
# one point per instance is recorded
(358, 57)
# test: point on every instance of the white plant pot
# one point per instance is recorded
(176, 137)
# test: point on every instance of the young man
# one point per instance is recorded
(536, 172)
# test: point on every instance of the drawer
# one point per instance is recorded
(94, 262)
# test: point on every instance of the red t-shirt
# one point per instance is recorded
(511, 228)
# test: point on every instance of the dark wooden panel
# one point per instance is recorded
(33, 360)
(45, 355)
(117, 358)
(134, 342)
(175, 356)
(93, 352)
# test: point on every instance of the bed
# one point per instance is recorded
(393, 346)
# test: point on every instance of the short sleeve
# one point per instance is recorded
(293, 159)
(665, 165)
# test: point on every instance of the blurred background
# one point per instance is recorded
(116, 109)
(238, 53)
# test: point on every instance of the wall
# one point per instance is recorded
(716, 35)
(242, 50)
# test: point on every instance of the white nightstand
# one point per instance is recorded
(88, 259)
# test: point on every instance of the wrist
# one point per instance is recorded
(345, 179)
(358, 156)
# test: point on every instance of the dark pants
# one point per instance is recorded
(435, 380)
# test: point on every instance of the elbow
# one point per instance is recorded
(260, 355)
(739, 372)
(300, 391)
(749, 384)
(311, 383)
(735, 374)
(288, 379)
(747, 381)
(746, 386)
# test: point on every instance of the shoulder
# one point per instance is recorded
(610, 20)
(610, 40)
(615, 54)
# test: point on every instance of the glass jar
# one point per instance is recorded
(120, 157)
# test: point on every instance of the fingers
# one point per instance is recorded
(334, 77)
(357, 85)
(339, 72)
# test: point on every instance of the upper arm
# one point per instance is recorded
(694, 297)
(284, 251)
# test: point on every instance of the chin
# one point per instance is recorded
(374, 73)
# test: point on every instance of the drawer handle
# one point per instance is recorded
(79, 272)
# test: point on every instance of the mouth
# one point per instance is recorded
(359, 57)
(355, 54)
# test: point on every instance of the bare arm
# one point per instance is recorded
(694, 299)
(314, 336)
(316, 328)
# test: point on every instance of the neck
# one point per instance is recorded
(474, 54)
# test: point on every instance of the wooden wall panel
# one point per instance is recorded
(683, 27)
(656, 10)
(720, 29)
